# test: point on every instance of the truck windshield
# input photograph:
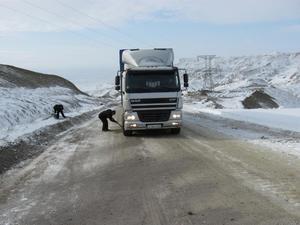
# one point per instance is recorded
(152, 81)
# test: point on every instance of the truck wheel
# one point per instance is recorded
(127, 132)
(175, 130)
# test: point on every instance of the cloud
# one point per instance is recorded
(292, 28)
(240, 11)
(59, 15)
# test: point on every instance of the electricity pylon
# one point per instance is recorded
(208, 83)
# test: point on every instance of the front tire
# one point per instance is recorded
(126, 132)
(175, 130)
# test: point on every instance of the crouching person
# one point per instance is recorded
(59, 109)
(107, 114)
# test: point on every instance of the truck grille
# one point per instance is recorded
(153, 100)
(154, 115)
(154, 103)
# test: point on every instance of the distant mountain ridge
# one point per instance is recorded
(12, 77)
(235, 78)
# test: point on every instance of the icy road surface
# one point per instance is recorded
(197, 177)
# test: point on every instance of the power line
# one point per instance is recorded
(59, 15)
(101, 22)
(47, 22)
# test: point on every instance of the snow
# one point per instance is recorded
(280, 131)
(103, 90)
(148, 58)
(286, 119)
(24, 110)
(235, 78)
(22, 129)
(52, 160)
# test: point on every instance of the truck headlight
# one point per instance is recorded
(130, 116)
(176, 115)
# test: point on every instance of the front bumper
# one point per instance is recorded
(138, 125)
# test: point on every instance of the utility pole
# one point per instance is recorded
(207, 76)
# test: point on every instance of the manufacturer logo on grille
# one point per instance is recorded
(135, 100)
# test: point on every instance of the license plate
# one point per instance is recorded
(154, 126)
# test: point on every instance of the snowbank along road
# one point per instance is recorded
(197, 177)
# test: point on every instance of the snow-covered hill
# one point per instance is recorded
(104, 90)
(236, 78)
(27, 99)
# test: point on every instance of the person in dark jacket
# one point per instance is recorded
(107, 114)
(59, 109)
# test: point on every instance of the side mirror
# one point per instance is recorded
(117, 83)
(185, 80)
(117, 80)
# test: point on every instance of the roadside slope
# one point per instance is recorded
(27, 99)
(11, 76)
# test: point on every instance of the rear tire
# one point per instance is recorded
(175, 130)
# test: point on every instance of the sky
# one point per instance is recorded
(80, 39)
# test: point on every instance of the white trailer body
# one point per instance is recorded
(151, 96)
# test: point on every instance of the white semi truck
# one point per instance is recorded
(151, 95)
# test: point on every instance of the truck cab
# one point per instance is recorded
(150, 88)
